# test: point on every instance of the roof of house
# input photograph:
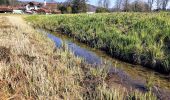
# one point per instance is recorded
(11, 8)
(6, 8)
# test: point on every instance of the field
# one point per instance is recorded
(32, 68)
(138, 38)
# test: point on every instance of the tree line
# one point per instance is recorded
(141, 5)
(79, 6)
(8, 2)
(73, 6)
(135, 5)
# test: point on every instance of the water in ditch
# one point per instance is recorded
(134, 76)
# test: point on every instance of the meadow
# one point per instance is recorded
(137, 38)
(32, 68)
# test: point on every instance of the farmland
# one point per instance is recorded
(138, 38)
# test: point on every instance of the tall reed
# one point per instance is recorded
(139, 38)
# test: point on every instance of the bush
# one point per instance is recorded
(102, 10)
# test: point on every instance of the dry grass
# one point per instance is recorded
(32, 68)
(36, 69)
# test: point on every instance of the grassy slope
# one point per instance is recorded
(32, 68)
(139, 38)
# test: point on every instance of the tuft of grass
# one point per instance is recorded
(141, 96)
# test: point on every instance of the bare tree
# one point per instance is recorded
(139, 6)
(126, 5)
(8, 2)
(106, 3)
(118, 4)
(164, 4)
(158, 4)
(100, 3)
(69, 1)
(150, 4)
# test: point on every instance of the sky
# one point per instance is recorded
(93, 2)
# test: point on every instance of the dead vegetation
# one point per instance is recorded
(32, 68)
(4, 54)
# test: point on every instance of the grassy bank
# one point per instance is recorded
(32, 68)
(138, 38)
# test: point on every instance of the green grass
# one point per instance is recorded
(138, 38)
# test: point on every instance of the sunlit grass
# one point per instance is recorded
(140, 38)
(34, 69)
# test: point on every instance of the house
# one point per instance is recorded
(19, 9)
(18, 12)
(32, 7)
(6, 9)
(51, 7)
(12, 9)
(42, 8)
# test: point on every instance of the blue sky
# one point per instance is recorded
(93, 2)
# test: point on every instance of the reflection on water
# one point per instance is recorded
(131, 74)
(89, 56)
(92, 58)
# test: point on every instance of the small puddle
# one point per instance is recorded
(131, 75)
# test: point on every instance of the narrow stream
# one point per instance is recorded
(132, 75)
